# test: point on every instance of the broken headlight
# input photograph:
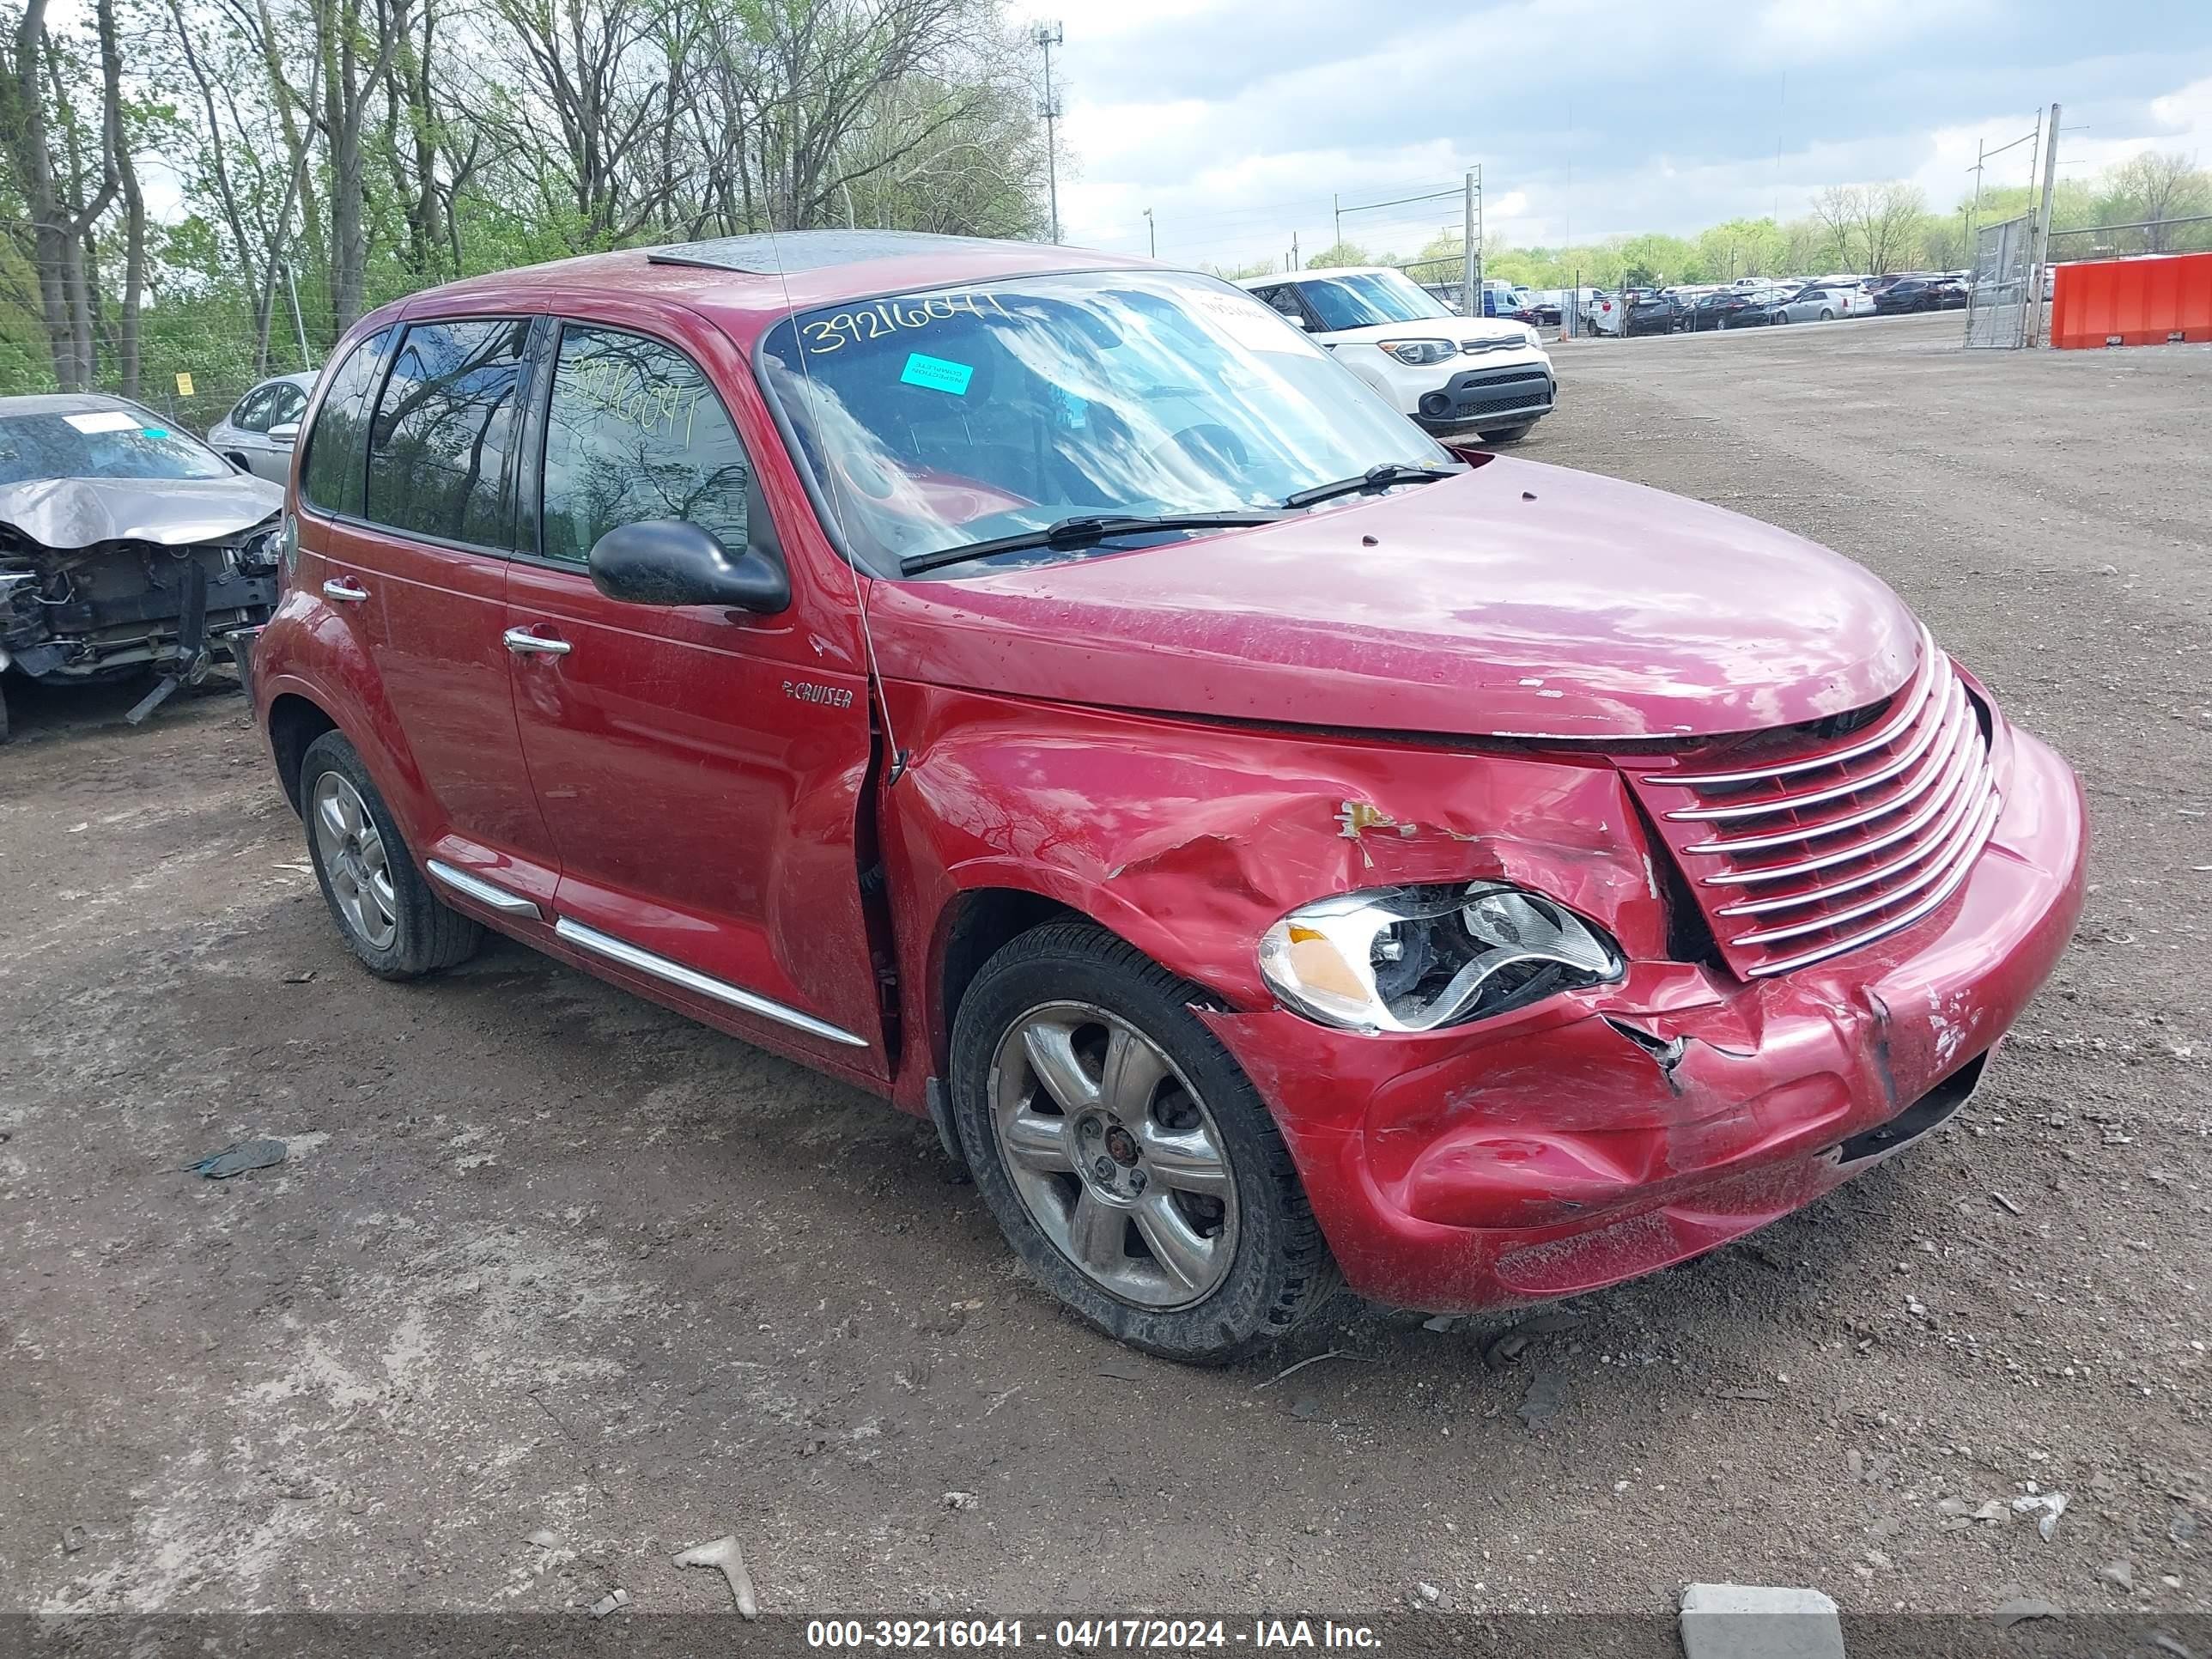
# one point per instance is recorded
(260, 550)
(1415, 958)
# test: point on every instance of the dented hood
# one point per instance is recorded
(1515, 600)
(67, 513)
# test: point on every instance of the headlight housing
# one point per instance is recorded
(1420, 353)
(1417, 958)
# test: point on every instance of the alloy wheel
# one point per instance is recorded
(354, 863)
(1113, 1155)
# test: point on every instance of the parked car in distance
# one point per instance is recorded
(1042, 688)
(1605, 312)
(1909, 294)
(127, 546)
(1448, 372)
(258, 434)
(1819, 305)
(1655, 312)
(1736, 307)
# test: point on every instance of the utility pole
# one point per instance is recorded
(1295, 265)
(1047, 36)
(1151, 235)
(2042, 249)
(1974, 213)
(1336, 212)
(1470, 268)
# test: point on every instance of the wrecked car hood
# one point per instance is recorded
(1516, 600)
(65, 514)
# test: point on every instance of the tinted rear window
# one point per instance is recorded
(329, 478)
(440, 445)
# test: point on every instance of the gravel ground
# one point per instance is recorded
(545, 1258)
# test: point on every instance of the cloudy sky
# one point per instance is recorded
(1236, 121)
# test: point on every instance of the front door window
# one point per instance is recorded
(635, 433)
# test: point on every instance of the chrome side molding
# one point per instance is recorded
(614, 950)
(484, 892)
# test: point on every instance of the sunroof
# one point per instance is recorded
(806, 250)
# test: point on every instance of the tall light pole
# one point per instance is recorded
(1152, 234)
(1047, 36)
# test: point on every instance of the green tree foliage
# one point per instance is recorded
(335, 154)
(1340, 254)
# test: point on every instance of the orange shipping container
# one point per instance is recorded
(2158, 301)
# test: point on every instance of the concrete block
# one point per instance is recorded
(1759, 1621)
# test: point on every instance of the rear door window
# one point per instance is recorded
(329, 478)
(633, 432)
(252, 414)
(439, 445)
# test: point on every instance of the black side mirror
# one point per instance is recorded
(668, 561)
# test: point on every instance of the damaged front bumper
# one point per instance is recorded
(1607, 1134)
(90, 614)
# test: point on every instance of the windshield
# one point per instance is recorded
(101, 443)
(1364, 298)
(964, 414)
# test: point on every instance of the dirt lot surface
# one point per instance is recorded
(545, 1260)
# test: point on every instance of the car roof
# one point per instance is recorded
(748, 283)
(65, 402)
(1319, 274)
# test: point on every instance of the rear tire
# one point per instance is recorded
(1099, 1116)
(384, 909)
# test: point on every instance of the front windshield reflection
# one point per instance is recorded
(933, 420)
(1367, 299)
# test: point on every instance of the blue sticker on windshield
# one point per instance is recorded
(938, 375)
(156, 431)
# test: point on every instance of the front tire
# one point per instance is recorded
(1498, 436)
(1126, 1157)
(385, 910)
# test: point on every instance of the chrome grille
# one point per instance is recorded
(1820, 849)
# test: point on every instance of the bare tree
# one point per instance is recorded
(1889, 218)
(593, 109)
(353, 44)
(63, 201)
(1836, 207)
(2156, 186)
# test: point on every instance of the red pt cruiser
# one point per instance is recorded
(1047, 691)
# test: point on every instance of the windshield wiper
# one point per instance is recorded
(1376, 478)
(1083, 532)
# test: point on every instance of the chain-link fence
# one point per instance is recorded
(2189, 235)
(198, 353)
(1997, 299)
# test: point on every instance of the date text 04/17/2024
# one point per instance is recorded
(1089, 1635)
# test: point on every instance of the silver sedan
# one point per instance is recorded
(257, 435)
(1822, 305)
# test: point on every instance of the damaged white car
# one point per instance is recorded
(127, 547)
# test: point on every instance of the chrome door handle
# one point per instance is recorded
(523, 642)
(344, 590)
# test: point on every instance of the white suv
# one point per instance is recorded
(1448, 372)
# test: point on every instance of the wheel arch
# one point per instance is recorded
(974, 925)
(295, 722)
